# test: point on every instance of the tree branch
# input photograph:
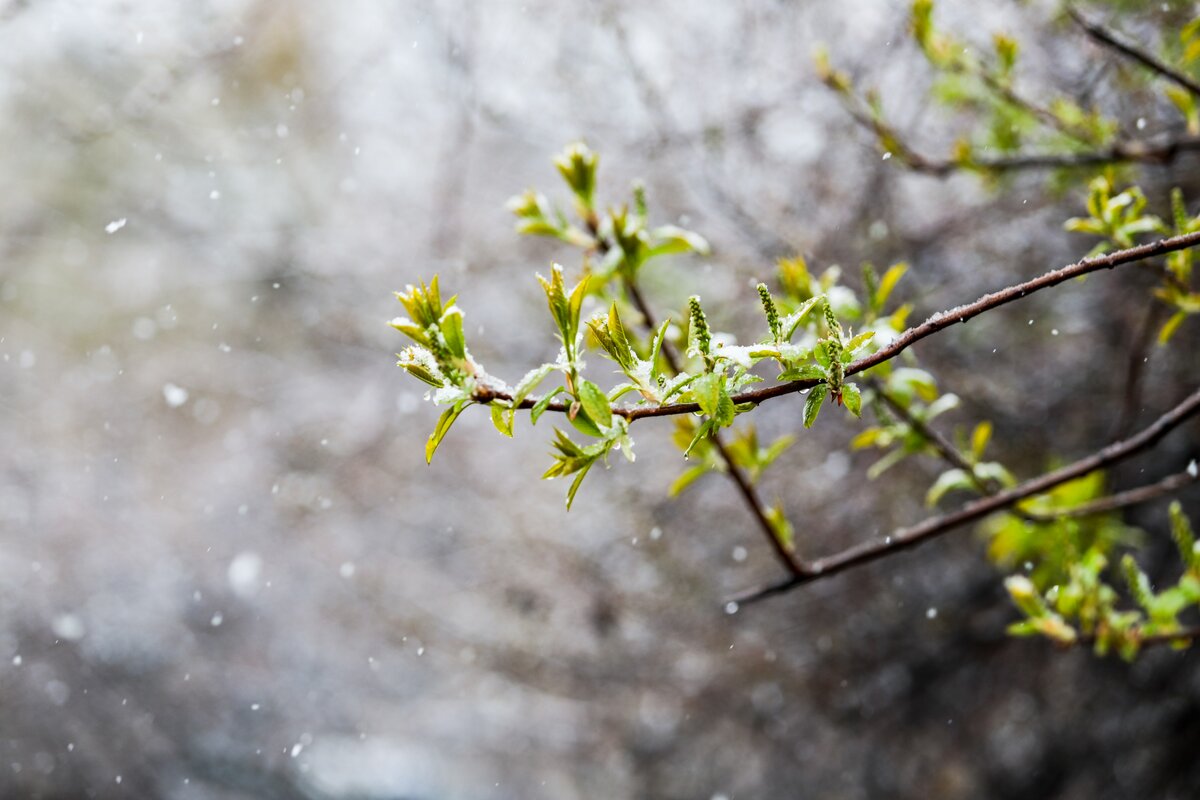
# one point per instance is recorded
(906, 538)
(736, 474)
(1132, 151)
(1132, 497)
(1141, 151)
(937, 322)
(1139, 354)
(1109, 39)
(940, 443)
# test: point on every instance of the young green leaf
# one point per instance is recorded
(530, 382)
(502, 418)
(540, 406)
(595, 404)
(950, 480)
(812, 405)
(707, 391)
(442, 428)
(852, 397)
(980, 438)
(686, 479)
(782, 528)
(575, 484)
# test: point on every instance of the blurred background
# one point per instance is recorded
(226, 571)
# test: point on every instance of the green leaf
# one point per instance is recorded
(887, 462)
(620, 338)
(941, 406)
(782, 528)
(451, 326)
(980, 438)
(1168, 329)
(1186, 103)
(540, 407)
(595, 404)
(670, 239)
(442, 428)
(1138, 583)
(775, 450)
(793, 320)
(852, 397)
(856, 343)
(707, 391)
(575, 484)
(502, 418)
(656, 348)
(812, 405)
(1185, 539)
(805, 372)
(908, 381)
(702, 434)
(948, 481)
(995, 471)
(866, 438)
(575, 305)
(686, 479)
(556, 299)
(421, 364)
(530, 382)
(725, 409)
(582, 422)
(577, 165)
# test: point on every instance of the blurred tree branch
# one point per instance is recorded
(934, 324)
(906, 538)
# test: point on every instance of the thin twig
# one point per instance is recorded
(940, 443)
(1141, 151)
(1132, 497)
(949, 452)
(906, 538)
(1151, 62)
(1139, 354)
(1132, 151)
(1103, 505)
(736, 474)
(937, 322)
(788, 557)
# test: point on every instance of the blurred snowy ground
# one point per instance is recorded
(225, 570)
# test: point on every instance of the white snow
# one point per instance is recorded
(68, 627)
(174, 395)
(244, 572)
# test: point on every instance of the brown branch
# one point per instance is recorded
(906, 538)
(795, 565)
(1109, 39)
(940, 443)
(1048, 117)
(937, 322)
(949, 452)
(1125, 152)
(1140, 151)
(1139, 354)
(1132, 497)
(736, 474)
(1103, 505)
